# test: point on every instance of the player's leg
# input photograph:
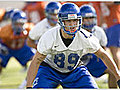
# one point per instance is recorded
(0, 65)
(80, 78)
(97, 68)
(111, 79)
(23, 55)
(113, 35)
(116, 55)
(4, 56)
(4, 61)
(45, 78)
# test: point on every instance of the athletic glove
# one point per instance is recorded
(28, 87)
(118, 82)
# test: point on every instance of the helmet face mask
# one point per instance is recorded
(51, 12)
(52, 18)
(89, 16)
(18, 20)
(18, 27)
(89, 23)
(69, 12)
(71, 26)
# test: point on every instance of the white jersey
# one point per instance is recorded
(100, 35)
(39, 29)
(62, 58)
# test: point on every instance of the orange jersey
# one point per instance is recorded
(94, 4)
(13, 41)
(2, 13)
(111, 13)
(35, 11)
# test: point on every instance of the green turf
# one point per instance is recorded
(12, 76)
(102, 84)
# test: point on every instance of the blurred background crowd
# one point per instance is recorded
(18, 18)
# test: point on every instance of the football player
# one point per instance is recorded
(95, 65)
(39, 29)
(59, 51)
(49, 22)
(13, 39)
(111, 17)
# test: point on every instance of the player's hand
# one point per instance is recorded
(118, 82)
(3, 50)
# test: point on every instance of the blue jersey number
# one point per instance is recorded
(72, 59)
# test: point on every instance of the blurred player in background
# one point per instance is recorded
(111, 15)
(35, 11)
(92, 3)
(13, 40)
(49, 22)
(40, 28)
(94, 64)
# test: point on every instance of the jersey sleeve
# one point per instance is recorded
(103, 41)
(93, 45)
(45, 43)
(35, 32)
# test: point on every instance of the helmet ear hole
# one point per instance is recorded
(70, 11)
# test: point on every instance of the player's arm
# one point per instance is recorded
(32, 71)
(31, 43)
(2, 13)
(33, 36)
(107, 59)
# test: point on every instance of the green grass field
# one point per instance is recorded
(12, 76)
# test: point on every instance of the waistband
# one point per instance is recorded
(47, 65)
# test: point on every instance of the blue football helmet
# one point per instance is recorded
(51, 11)
(70, 11)
(18, 19)
(88, 12)
(8, 12)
